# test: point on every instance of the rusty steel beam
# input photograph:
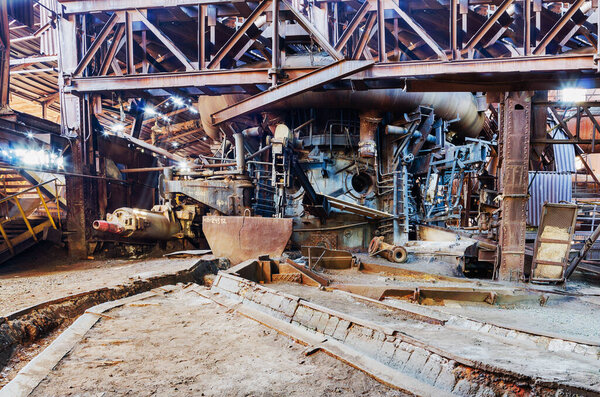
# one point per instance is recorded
(87, 58)
(275, 42)
(488, 24)
(419, 30)
(409, 70)
(313, 31)
(4, 56)
(381, 47)
(527, 27)
(453, 24)
(366, 35)
(515, 137)
(130, 59)
(541, 48)
(526, 65)
(112, 51)
(95, 6)
(171, 80)
(201, 37)
(235, 37)
(353, 25)
(305, 83)
(166, 41)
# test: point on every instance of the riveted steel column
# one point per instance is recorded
(516, 129)
(4, 56)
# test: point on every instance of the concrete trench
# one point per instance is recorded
(36, 322)
(390, 353)
(444, 370)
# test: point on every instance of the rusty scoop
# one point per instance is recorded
(239, 238)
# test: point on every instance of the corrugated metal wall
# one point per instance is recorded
(564, 155)
(49, 38)
(547, 186)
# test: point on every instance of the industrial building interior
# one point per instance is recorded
(299, 197)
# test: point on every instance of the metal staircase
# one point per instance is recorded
(29, 213)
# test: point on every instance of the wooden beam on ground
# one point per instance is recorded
(292, 88)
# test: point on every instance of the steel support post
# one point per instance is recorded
(381, 48)
(539, 116)
(515, 139)
(78, 197)
(4, 57)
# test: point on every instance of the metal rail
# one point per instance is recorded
(15, 198)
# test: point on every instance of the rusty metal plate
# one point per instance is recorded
(328, 240)
(239, 238)
(327, 258)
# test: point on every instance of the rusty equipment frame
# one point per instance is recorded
(328, 258)
(563, 216)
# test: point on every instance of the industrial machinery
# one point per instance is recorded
(343, 166)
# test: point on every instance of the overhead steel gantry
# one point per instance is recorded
(270, 50)
(466, 45)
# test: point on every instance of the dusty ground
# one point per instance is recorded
(183, 344)
(568, 316)
(23, 286)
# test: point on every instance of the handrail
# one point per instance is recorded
(12, 196)
(30, 229)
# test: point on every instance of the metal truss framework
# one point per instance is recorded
(144, 49)
(464, 41)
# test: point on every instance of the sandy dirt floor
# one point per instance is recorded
(568, 316)
(182, 345)
(24, 286)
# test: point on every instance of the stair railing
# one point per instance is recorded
(15, 198)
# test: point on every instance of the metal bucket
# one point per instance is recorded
(239, 238)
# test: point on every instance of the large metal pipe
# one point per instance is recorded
(239, 152)
(447, 105)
